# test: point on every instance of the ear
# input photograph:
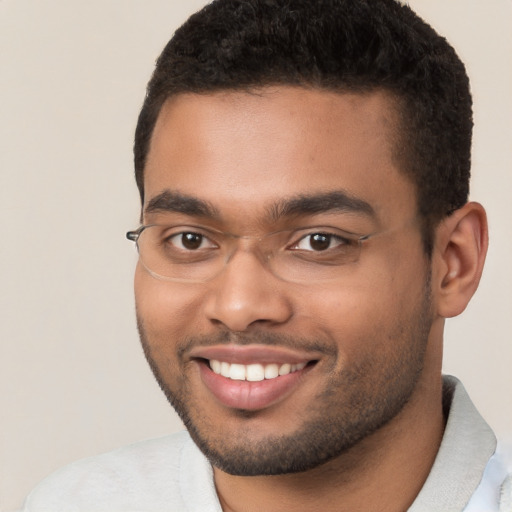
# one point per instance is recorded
(458, 258)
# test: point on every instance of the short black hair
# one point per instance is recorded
(336, 45)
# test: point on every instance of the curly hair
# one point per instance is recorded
(336, 45)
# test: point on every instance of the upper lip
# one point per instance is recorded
(252, 354)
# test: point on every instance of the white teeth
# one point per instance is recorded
(271, 371)
(224, 369)
(237, 372)
(216, 365)
(253, 372)
(285, 369)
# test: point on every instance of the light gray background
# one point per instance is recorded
(72, 78)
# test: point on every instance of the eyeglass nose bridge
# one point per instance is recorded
(259, 246)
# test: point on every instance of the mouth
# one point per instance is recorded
(252, 378)
(253, 372)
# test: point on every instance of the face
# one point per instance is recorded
(310, 367)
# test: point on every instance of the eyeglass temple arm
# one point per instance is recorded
(133, 235)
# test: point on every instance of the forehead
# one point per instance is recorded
(243, 151)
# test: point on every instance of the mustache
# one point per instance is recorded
(256, 338)
(225, 337)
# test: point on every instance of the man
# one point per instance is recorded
(303, 169)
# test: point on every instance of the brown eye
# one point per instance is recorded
(318, 242)
(190, 241)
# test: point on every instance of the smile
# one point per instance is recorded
(253, 372)
(253, 377)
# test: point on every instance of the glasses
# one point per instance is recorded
(192, 254)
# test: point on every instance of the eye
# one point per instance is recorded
(318, 242)
(190, 241)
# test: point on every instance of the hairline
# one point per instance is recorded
(396, 100)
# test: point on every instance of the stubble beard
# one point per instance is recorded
(338, 420)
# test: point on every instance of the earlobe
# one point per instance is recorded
(459, 254)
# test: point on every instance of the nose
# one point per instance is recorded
(246, 294)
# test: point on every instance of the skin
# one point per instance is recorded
(375, 334)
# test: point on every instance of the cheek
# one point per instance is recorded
(165, 308)
(367, 314)
(349, 314)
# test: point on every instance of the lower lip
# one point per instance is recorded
(250, 396)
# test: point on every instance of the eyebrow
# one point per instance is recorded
(334, 201)
(176, 202)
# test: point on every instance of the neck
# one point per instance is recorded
(384, 472)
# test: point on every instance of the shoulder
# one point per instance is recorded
(141, 476)
(506, 495)
(504, 452)
(494, 493)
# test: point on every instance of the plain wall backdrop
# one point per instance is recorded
(72, 78)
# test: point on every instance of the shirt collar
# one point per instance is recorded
(467, 445)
